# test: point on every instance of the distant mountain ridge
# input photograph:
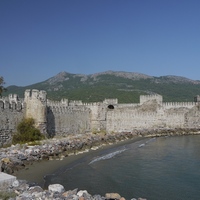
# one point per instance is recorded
(62, 76)
(126, 86)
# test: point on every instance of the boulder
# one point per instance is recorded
(113, 196)
(35, 189)
(81, 192)
(5, 160)
(15, 183)
(56, 188)
(28, 151)
(70, 193)
(7, 167)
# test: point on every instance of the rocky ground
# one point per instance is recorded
(20, 190)
(18, 156)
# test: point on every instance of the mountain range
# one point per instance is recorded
(126, 86)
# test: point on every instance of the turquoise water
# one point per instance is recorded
(157, 169)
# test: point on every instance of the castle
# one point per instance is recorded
(72, 117)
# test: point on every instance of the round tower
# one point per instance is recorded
(36, 108)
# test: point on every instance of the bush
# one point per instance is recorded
(7, 195)
(26, 132)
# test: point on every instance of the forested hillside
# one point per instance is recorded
(125, 86)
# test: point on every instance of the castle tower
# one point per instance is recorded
(197, 98)
(36, 108)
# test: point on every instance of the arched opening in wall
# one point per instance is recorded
(111, 107)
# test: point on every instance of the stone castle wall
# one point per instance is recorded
(63, 119)
(130, 119)
(11, 113)
(72, 117)
(152, 113)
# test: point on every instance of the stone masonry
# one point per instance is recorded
(75, 117)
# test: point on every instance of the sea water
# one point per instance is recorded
(157, 169)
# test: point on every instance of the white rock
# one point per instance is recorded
(56, 188)
(15, 183)
(36, 150)
(81, 192)
(28, 151)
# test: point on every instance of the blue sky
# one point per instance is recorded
(40, 38)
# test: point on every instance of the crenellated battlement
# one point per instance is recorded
(67, 109)
(76, 103)
(35, 95)
(168, 105)
(12, 102)
(128, 105)
(72, 117)
(62, 103)
(92, 104)
(110, 101)
(13, 98)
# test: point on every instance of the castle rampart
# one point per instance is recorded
(72, 117)
(63, 102)
(65, 120)
(168, 105)
(75, 103)
(11, 113)
(129, 105)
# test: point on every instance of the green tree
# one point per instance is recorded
(2, 89)
(26, 132)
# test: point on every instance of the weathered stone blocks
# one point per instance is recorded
(60, 118)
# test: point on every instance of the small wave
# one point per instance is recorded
(107, 156)
(141, 145)
(150, 140)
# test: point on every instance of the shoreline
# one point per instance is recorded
(20, 157)
(70, 161)
(17, 157)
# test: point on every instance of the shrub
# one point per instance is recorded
(95, 131)
(26, 132)
(7, 195)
